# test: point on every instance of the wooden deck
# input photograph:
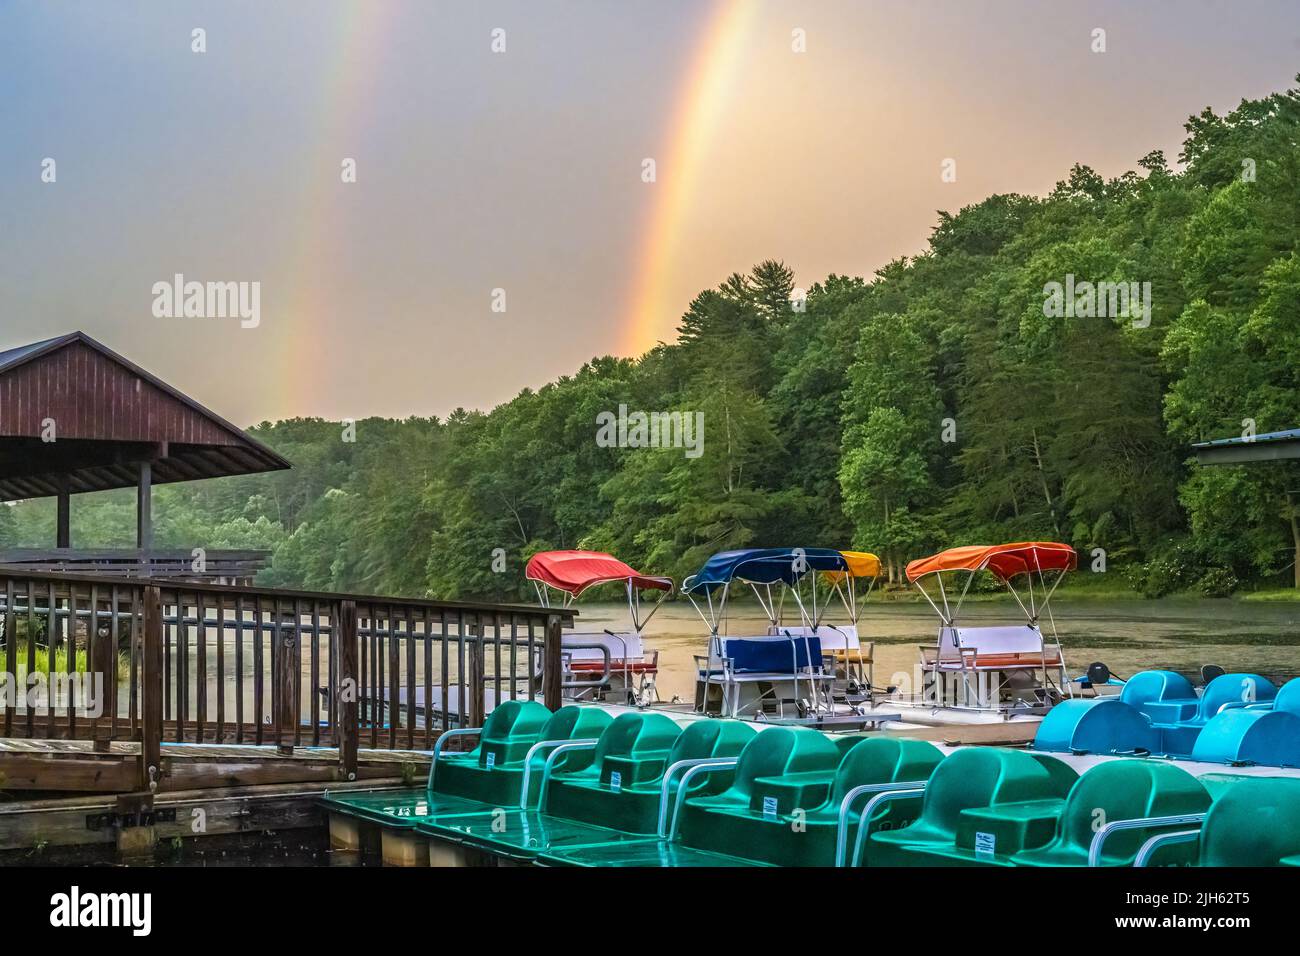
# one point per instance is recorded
(81, 766)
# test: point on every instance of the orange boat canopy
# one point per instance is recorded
(1004, 560)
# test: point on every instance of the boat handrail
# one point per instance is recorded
(698, 769)
(528, 764)
(588, 744)
(1147, 849)
(437, 748)
(1099, 838)
(842, 831)
(867, 810)
(604, 677)
(711, 763)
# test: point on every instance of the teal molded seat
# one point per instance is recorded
(1288, 698)
(1265, 732)
(1234, 690)
(753, 822)
(791, 819)
(637, 745)
(1104, 726)
(1243, 736)
(623, 793)
(1164, 696)
(1256, 822)
(1121, 789)
(972, 778)
(1151, 716)
(780, 770)
(1225, 692)
(488, 775)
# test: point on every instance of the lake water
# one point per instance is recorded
(1128, 635)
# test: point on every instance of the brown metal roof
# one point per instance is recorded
(107, 415)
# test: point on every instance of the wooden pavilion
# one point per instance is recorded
(76, 417)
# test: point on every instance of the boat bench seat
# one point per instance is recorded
(615, 666)
(1014, 661)
(768, 655)
(971, 778)
(1009, 647)
(741, 827)
(794, 775)
(1125, 789)
(792, 818)
(623, 648)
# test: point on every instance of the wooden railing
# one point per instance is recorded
(199, 663)
(173, 564)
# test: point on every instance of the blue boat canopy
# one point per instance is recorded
(763, 566)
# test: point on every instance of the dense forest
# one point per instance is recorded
(942, 401)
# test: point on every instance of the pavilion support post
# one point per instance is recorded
(553, 663)
(63, 539)
(348, 690)
(63, 532)
(144, 514)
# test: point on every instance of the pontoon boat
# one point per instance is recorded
(1008, 669)
(602, 665)
(783, 675)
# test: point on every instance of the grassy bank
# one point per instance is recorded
(1278, 595)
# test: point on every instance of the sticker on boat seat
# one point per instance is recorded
(769, 808)
(615, 781)
(984, 844)
(491, 759)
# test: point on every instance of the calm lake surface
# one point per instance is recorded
(1128, 635)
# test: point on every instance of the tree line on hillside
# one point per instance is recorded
(940, 402)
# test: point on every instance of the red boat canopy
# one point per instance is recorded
(1004, 560)
(575, 571)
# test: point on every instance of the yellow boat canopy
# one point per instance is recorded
(861, 565)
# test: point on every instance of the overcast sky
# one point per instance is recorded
(812, 132)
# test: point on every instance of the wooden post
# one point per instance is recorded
(63, 532)
(477, 689)
(151, 726)
(552, 663)
(345, 630)
(286, 659)
(144, 512)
